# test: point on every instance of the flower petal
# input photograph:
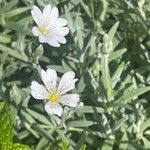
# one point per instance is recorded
(61, 30)
(38, 91)
(57, 23)
(67, 82)
(61, 22)
(49, 78)
(42, 38)
(35, 31)
(70, 100)
(53, 42)
(46, 15)
(36, 14)
(53, 109)
(54, 13)
(60, 39)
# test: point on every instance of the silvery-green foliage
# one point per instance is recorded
(107, 48)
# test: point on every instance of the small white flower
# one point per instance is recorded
(55, 93)
(50, 29)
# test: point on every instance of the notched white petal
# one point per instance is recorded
(62, 21)
(49, 78)
(60, 39)
(47, 10)
(46, 15)
(67, 82)
(36, 9)
(52, 74)
(61, 30)
(38, 91)
(36, 14)
(53, 42)
(54, 13)
(53, 109)
(70, 100)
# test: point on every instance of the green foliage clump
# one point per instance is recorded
(6, 138)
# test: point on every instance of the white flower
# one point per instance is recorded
(55, 93)
(50, 29)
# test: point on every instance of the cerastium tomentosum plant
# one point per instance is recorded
(111, 63)
(50, 29)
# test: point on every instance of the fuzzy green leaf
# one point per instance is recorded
(132, 94)
(113, 30)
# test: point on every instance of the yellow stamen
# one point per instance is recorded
(43, 30)
(53, 97)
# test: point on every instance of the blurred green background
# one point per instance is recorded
(119, 123)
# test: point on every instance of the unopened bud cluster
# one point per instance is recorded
(107, 45)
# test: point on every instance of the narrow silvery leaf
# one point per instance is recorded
(106, 77)
(113, 29)
(119, 123)
(116, 54)
(132, 94)
(81, 123)
(117, 74)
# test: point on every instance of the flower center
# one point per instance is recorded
(43, 30)
(53, 97)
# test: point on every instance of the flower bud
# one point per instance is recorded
(39, 51)
(107, 44)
